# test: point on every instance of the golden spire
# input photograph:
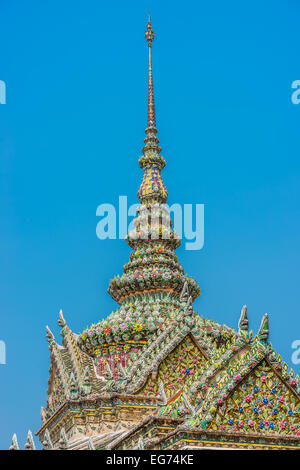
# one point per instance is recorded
(149, 35)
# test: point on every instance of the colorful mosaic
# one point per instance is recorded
(154, 374)
(262, 404)
(178, 371)
(56, 393)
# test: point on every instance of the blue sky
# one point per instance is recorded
(70, 137)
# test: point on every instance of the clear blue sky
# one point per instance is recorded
(70, 138)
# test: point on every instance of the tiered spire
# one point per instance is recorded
(149, 289)
(153, 266)
(149, 35)
(152, 189)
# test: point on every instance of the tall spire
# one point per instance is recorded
(150, 287)
(153, 266)
(152, 189)
(149, 35)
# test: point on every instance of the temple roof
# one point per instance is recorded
(157, 354)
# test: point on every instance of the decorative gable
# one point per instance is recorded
(262, 403)
(56, 392)
(178, 370)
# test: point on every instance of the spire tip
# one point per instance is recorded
(149, 34)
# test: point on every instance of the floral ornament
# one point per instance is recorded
(138, 327)
(150, 316)
(264, 401)
(178, 364)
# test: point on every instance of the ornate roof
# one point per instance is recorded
(154, 373)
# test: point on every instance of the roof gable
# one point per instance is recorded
(261, 403)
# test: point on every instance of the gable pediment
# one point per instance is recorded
(182, 366)
(261, 403)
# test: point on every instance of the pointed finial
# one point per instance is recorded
(149, 34)
(244, 321)
(73, 386)
(108, 371)
(188, 405)
(49, 334)
(263, 332)
(184, 296)
(14, 443)
(30, 442)
(123, 374)
(61, 320)
(86, 381)
(47, 443)
(43, 415)
(63, 441)
(188, 310)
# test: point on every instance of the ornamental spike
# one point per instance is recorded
(61, 320)
(188, 310)
(43, 415)
(86, 375)
(49, 335)
(122, 371)
(47, 443)
(30, 442)
(73, 386)
(188, 405)
(72, 378)
(63, 441)
(184, 296)
(14, 443)
(263, 332)
(244, 321)
(149, 35)
(108, 371)
(86, 381)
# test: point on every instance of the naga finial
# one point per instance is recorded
(73, 386)
(61, 321)
(108, 371)
(43, 415)
(14, 443)
(30, 442)
(184, 296)
(188, 310)
(244, 321)
(47, 443)
(49, 334)
(63, 441)
(263, 332)
(191, 409)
